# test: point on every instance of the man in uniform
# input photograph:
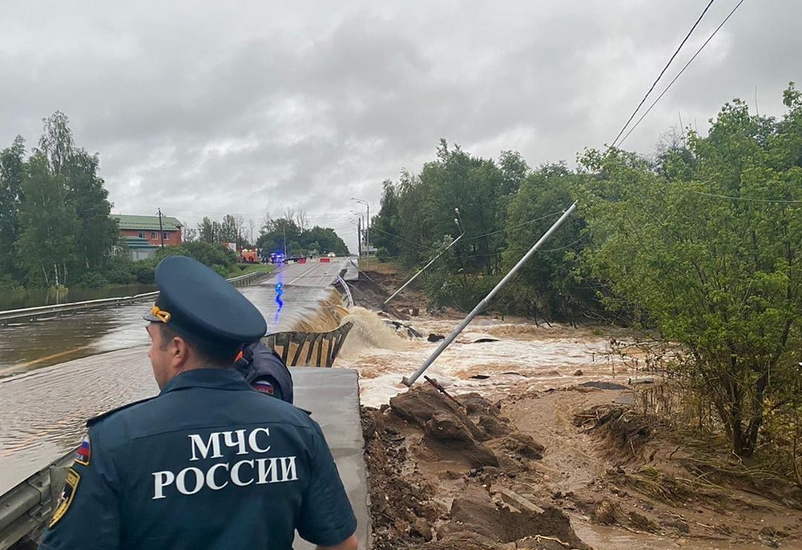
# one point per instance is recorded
(209, 463)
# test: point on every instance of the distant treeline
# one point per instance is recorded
(701, 241)
(291, 231)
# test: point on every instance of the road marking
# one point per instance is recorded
(22, 366)
(304, 274)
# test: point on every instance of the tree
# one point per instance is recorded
(78, 170)
(12, 173)
(546, 286)
(48, 222)
(190, 235)
(385, 223)
(228, 229)
(207, 232)
(299, 242)
(712, 257)
(98, 232)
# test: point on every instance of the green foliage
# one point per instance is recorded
(383, 255)
(92, 279)
(12, 174)
(713, 256)
(549, 285)
(497, 201)
(54, 213)
(120, 270)
(216, 256)
(213, 232)
(320, 240)
(46, 246)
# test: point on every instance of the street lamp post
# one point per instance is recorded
(367, 230)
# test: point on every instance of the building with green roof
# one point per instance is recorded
(143, 235)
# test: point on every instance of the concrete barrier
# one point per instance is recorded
(325, 260)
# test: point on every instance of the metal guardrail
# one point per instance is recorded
(34, 312)
(321, 347)
(26, 509)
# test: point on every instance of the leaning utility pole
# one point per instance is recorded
(451, 337)
(161, 230)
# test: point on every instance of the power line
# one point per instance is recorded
(680, 73)
(403, 239)
(747, 199)
(515, 226)
(642, 101)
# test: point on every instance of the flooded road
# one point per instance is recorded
(61, 371)
(29, 345)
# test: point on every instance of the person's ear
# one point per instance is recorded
(179, 351)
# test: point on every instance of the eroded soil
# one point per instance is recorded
(540, 443)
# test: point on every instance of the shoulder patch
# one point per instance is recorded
(263, 386)
(84, 452)
(67, 496)
(92, 421)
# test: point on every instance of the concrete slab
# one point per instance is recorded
(352, 269)
(332, 395)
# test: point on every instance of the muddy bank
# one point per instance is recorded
(572, 468)
(543, 445)
(437, 467)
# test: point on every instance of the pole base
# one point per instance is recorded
(407, 382)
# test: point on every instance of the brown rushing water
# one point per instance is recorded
(60, 371)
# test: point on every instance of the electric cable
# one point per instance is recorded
(680, 73)
(642, 101)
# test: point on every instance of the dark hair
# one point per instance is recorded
(214, 353)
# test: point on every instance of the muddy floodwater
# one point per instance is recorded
(57, 372)
(491, 356)
(25, 346)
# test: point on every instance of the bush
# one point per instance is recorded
(120, 271)
(92, 279)
(9, 285)
(216, 256)
(383, 255)
(144, 272)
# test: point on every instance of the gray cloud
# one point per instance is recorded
(205, 108)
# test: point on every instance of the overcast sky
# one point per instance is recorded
(205, 108)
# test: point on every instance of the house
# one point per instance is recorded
(143, 235)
